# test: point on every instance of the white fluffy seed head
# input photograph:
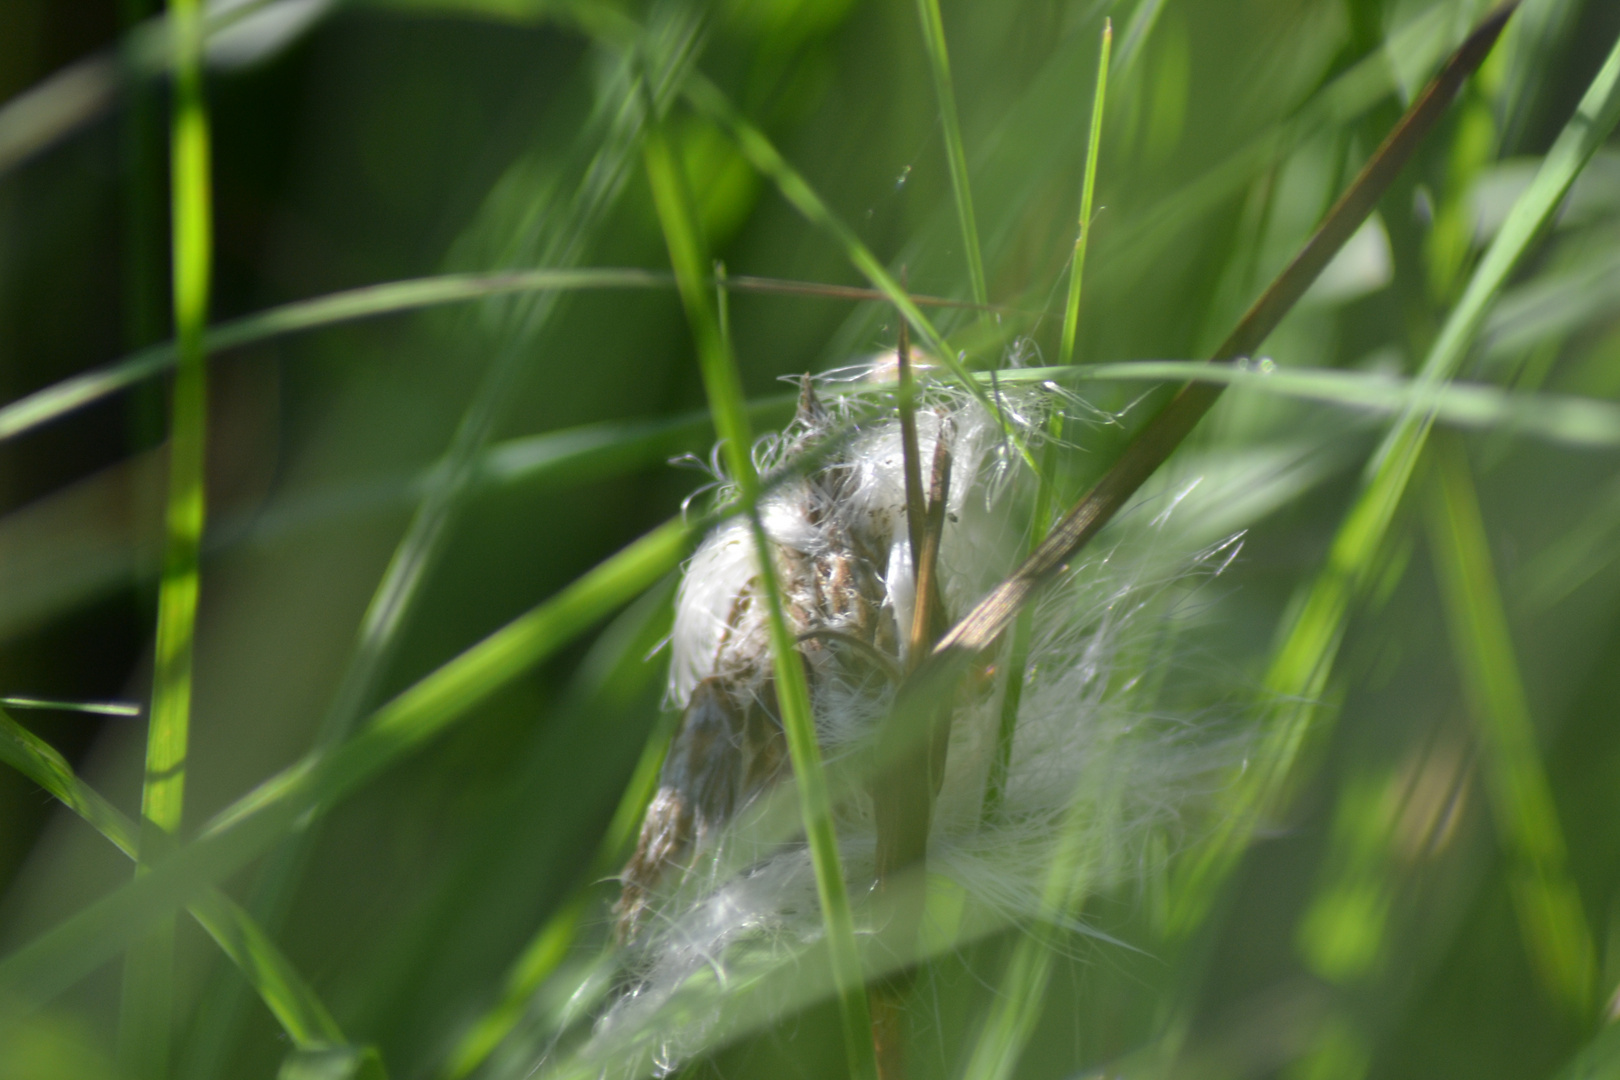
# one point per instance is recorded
(1085, 718)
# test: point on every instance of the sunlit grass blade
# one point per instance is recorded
(939, 63)
(682, 233)
(1309, 642)
(1526, 817)
(145, 1020)
(1088, 190)
(56, 959)
(300, 1012)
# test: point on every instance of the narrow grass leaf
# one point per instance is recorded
(1088, 190)
(1556, 418)
(373, 301)
(939, 63)
(145, 1015)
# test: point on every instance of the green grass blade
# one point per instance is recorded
(1301, 666)
(56, 959)
(1088, 189)
(1556, 418)
(289, 998)
(939, 63)
(724, 388)
(145, 1016)
(1546, 899)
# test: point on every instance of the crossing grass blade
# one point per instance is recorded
(690, 260)
(939, 64)
(55, 960)
(302, 1015)
(1301, 666)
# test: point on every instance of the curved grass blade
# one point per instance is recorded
(1088, 189)
(372, 301)
(1555, 418)
(284, 992)
(939, 63)
(724, 389)
(1300, 668)
(1544, 895)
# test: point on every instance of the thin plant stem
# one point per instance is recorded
(1088, 189)
(145, 1019)
(682, 233)
(939, 63)
(1012, 693)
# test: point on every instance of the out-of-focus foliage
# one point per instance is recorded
(1433, 889)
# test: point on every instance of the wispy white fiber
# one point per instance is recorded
(1098, 691)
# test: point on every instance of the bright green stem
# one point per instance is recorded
(145, 1019)
(682, 234)
(1548, 903)
(939, 61)
(1088, 189)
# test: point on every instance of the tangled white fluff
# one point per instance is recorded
(745, 900)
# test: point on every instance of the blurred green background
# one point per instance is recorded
(1439, 896)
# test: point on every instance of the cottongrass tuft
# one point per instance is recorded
(733, 906)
